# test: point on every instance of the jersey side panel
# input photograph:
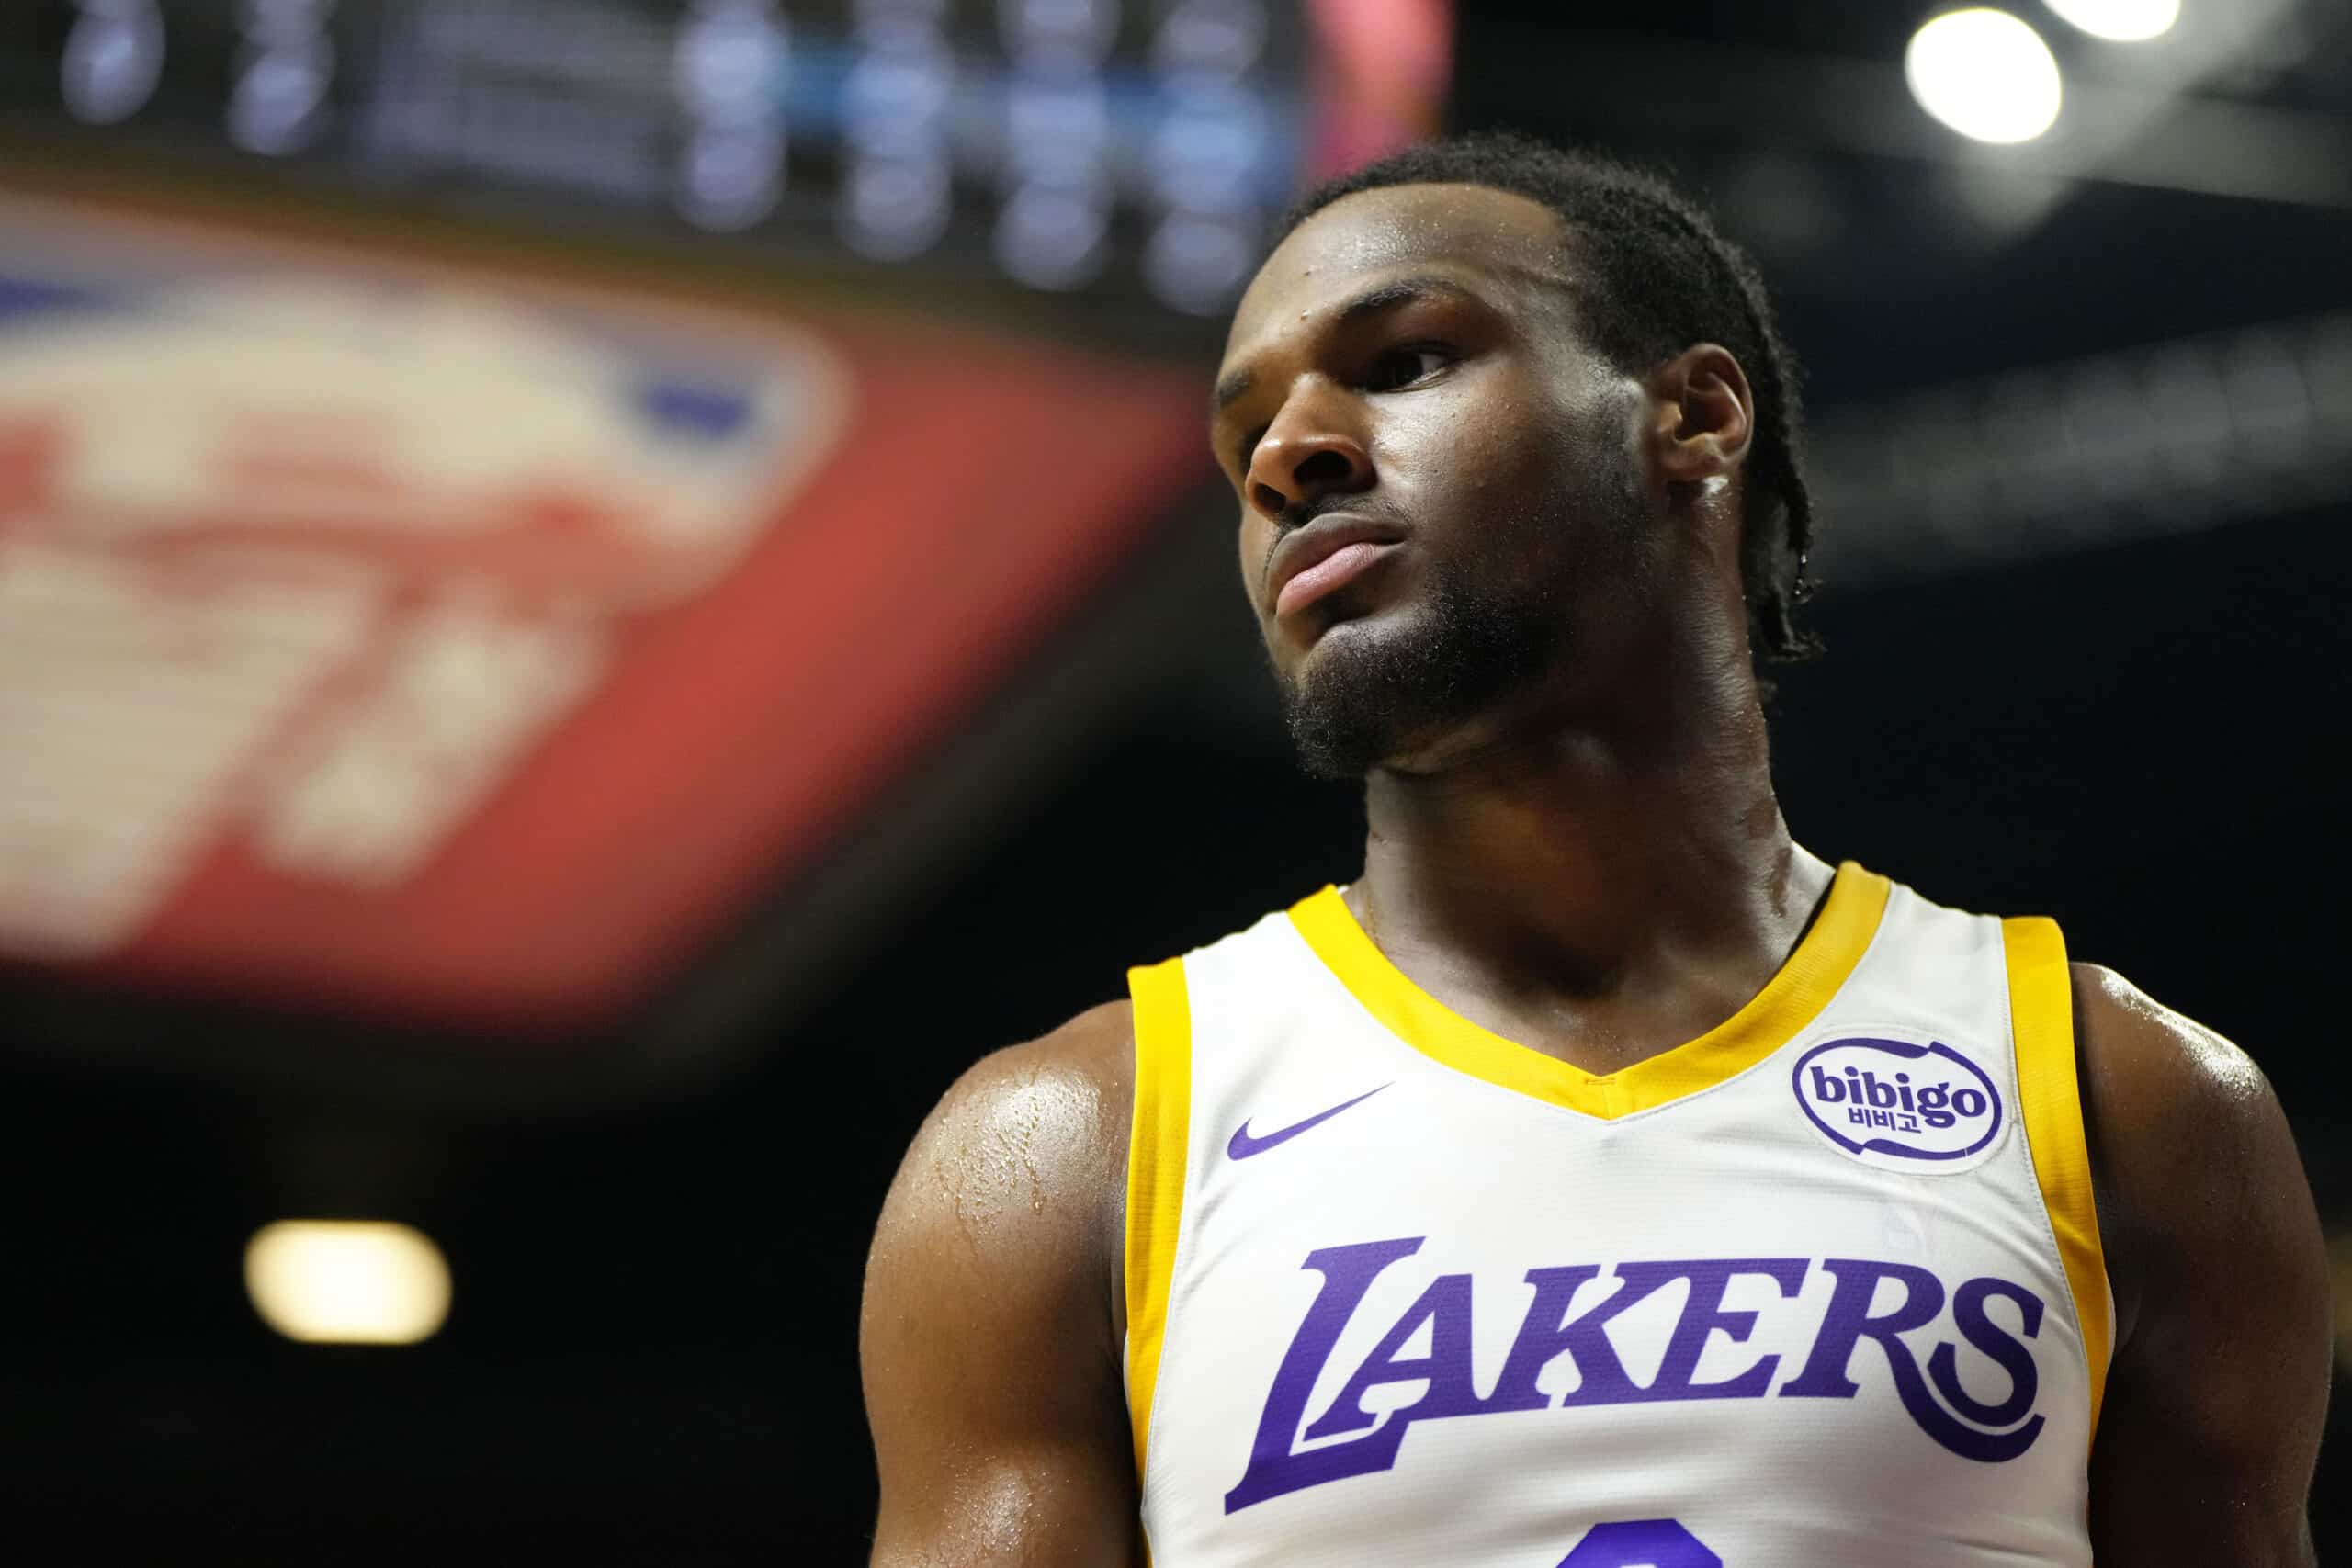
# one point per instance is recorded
(1155, 1163)
(1234, 1022)
(2041, 1023)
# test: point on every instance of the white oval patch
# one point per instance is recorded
(1900, 1104)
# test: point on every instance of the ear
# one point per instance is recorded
(1702, 414)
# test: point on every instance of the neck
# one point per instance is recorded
(1602, 888)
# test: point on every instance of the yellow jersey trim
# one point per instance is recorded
(1156, 1144)
(2041, 1027)
(1791, 999)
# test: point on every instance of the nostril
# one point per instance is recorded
(1325, 467)
(1271, 501)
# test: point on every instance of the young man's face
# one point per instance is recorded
(1440, 483)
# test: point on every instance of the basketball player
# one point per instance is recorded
(1600, 1179)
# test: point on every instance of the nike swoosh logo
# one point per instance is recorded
(1243, 1146)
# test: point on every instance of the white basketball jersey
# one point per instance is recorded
(1821, 1289)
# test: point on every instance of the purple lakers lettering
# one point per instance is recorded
(1296, 1448)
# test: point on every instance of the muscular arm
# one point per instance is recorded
(2218, 1382)
(992, 1333)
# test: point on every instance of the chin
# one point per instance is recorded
(1361, 694)
(1355, 633)
(1412, 684)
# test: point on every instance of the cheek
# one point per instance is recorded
(1499, 438)
(1254, 539)
(1548, 493)
(1558, 456)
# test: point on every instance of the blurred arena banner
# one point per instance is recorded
(503, 503)
(392, 640)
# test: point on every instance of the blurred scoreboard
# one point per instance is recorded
(1134, 151)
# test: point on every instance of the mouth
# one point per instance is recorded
(1326, 556)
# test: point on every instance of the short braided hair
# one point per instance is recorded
(1657, 277)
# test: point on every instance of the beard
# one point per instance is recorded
(1367, 699)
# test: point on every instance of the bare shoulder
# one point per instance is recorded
(2164, 1095)
(1015, 1183)
(1043, 1120)
(2191, 1150)
(991, 1337)
(2127, 1035)
(2217, 1388)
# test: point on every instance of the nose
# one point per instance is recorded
(1307, 453)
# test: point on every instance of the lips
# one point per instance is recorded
(1325, 555)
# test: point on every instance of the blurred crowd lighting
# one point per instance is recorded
(729, 55)
(1132, 148)
(2177, 436)
(347, 1281)
(2119, 21)
(898, 172)
(1984, 74)
(113, 60)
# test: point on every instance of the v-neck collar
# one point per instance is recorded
(1794, 996)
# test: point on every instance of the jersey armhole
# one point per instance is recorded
(1155, 1151)
(2041, 1029)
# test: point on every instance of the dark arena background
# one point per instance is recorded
(598, 595)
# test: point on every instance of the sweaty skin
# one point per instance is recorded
(1594, 866)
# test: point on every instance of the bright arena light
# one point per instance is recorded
(1984, 74)
(347, 1281)
(2121, 21)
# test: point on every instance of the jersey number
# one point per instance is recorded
(1640, 1543)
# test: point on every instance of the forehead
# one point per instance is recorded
(1474, 233)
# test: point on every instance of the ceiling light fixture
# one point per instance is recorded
(347, 1281)
(1984, 74)
(2119, 21)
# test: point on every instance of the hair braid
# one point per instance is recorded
(1774, 559)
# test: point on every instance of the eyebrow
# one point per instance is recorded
(1371, 303)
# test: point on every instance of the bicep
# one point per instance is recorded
(992, 1379)
(2214, 1402)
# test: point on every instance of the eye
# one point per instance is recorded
(1400, 368)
